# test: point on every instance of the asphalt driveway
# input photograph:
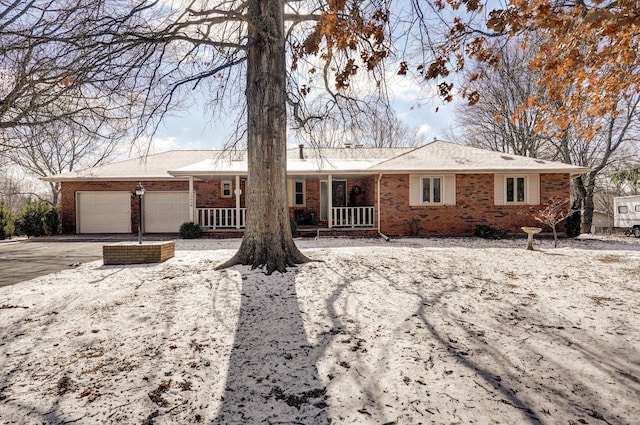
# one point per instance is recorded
(27, 259)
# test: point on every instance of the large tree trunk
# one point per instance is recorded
(267, 241)
(584, 187)
(589, 205)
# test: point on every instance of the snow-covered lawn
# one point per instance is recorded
(431, 331)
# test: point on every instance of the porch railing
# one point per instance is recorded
(352, 217)
(221, 218)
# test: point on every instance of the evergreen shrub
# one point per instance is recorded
(190, 230)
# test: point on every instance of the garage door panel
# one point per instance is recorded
(103, 212)
(164, 212)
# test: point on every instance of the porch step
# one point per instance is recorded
(222, 234)
(313, 232)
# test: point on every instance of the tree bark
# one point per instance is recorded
(589, 205)
(584, 187)
(267, 240)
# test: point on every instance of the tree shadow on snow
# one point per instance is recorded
(498, 352)
(272, 376)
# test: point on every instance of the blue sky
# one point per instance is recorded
(194, 128)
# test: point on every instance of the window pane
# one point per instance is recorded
(426, 190)
(520, 189)
(510, 196)
(637, 208)
(436, 190)
(299, 193)
(226, 189)
(622, 209)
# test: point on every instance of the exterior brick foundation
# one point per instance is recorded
(154, 252)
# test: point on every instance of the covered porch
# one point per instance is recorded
(320, 200)
(328, 201)
(349, 204)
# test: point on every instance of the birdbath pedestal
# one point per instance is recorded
(530, 231)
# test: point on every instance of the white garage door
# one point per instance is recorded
(103, 212)
(164, 212)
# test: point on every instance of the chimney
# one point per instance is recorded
(301, 147)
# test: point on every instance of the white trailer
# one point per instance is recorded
(626, 213)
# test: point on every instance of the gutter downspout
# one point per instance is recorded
(385, 237)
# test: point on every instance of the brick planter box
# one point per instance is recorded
(128, 253)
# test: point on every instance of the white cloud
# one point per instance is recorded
(163, 144)
(408, 89)
(424, 129)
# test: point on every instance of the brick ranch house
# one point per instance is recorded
(437, 189)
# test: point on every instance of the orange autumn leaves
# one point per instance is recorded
(344, 28)
(588, 60)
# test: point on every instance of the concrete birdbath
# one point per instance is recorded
(530, 231)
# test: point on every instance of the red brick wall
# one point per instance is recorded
(474, 202)
(156, 252)
(474, 205)
(312, 200)
(207, 195)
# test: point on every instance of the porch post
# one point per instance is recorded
(238, 192)
(379, 203)
(329, 201)
(191, 200)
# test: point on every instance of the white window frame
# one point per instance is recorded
(623, 209)
(636, 208)
(303, 193)
(431, 190)
(222, 188)
(525, 184)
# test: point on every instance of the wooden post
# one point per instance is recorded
(329, 201)
(191, 200)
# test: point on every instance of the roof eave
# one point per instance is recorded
(107, 178)
(485, 171)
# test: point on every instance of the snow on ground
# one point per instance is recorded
(411, 331)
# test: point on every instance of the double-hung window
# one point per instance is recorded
(299, 192)
(296, 192)
(225, 189)
(432, 190)
(515, 187)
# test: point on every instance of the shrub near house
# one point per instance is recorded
(6, 222)
(38, 218)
